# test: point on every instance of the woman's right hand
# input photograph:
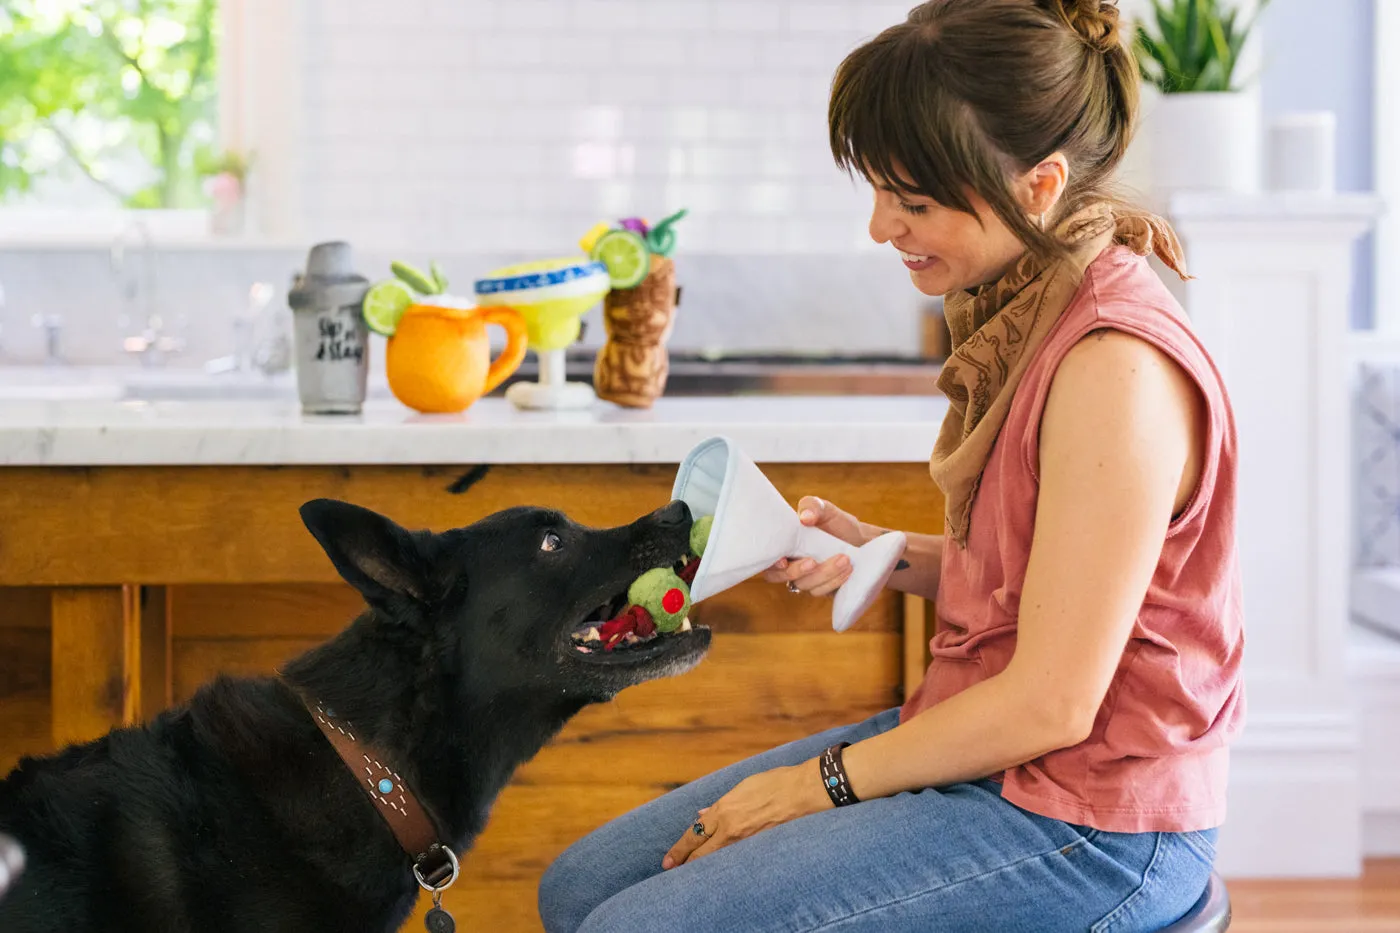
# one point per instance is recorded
(806, 575)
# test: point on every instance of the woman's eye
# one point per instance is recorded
(551, 542)
(912, 208)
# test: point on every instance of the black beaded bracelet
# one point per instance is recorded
(838, 787)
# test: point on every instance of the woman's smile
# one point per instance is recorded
(916, 262)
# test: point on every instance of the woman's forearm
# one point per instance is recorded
(924, 557)
(991, 726)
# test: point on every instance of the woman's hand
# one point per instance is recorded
(765, 800)
(806, 574)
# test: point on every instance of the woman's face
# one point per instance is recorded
(944, 249)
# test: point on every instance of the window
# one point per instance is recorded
(108, 106)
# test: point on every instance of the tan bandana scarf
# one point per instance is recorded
(996, 330)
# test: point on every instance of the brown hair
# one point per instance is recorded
(966, 92)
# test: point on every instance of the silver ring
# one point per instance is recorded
(792, 587)
(698, 828)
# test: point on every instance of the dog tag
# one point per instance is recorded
(440, 921)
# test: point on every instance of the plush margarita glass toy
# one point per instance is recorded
(658, 600)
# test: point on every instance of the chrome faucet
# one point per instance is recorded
(151, 344)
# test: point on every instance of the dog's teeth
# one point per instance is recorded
(593, 635)
(685, 624)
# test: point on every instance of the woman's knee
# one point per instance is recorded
(568, 891)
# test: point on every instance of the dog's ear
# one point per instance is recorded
(374, 555)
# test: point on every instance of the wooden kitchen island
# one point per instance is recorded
(146, 547)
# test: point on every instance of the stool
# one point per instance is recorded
(1210, 914)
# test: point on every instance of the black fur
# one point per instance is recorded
(233, 813)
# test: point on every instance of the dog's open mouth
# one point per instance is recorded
(617, 628)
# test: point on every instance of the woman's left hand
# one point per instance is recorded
(765, 800)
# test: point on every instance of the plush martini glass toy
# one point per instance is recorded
(754, 527)
(745, 527)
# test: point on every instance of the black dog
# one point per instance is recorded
(234, 813)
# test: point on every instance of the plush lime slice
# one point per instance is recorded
(385, 303)
(626, 255)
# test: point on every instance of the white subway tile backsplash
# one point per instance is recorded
(470, 14)
(819, 17)
(652, 51)
(590, 51)
(724, 52)
(767, 198)
(537, 122)
(814, 54)
(874, 16)
(747, 16)
(688, 124)
(597, 123)
(609, 15)
(771, 88)
(721, 161)
(390, 13)
(693, 88)
(510, 51)
(680, 15)
(528, 15)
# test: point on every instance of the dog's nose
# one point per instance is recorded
(677, 513)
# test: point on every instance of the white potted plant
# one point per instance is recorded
(1203, 129)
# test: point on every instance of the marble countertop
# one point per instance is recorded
(771, 429)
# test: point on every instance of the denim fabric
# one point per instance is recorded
(958, 859)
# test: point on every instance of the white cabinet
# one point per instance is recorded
(1271, 300)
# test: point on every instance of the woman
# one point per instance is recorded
(1063, 765)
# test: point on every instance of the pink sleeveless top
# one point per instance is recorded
(1157, 758)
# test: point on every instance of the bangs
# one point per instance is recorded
(891, 120)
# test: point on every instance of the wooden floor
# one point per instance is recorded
(1368, 905)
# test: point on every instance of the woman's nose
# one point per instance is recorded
(884, 226)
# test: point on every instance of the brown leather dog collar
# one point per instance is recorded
(434, 863)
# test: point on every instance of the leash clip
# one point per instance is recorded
(442, 875)
(437, 880)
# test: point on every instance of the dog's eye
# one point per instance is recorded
(551, 542)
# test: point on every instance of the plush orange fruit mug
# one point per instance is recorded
(439, 359)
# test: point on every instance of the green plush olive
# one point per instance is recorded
(700, 534)
(664, 595)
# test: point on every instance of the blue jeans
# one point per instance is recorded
(954, 859)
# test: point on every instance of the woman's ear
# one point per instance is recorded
(1040, 188)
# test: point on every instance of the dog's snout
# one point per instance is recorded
(673, 515)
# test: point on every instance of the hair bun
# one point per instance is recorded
(1096, 21)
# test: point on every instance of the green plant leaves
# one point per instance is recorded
(1196, 45)
(94, 79)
